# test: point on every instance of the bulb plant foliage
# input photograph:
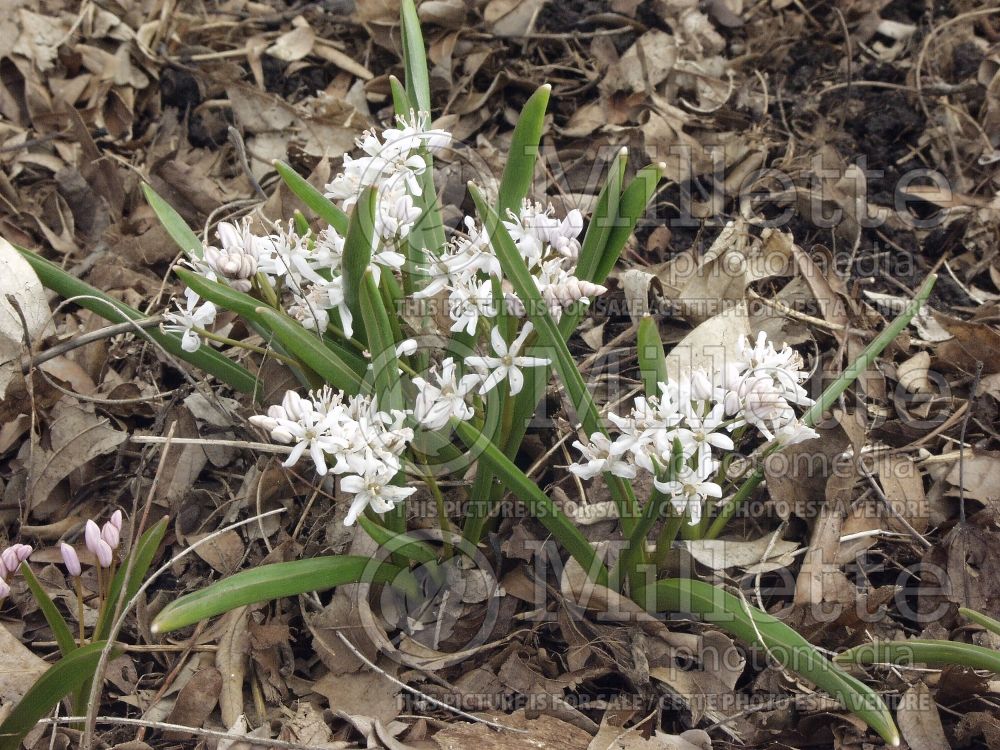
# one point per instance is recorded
(423, 354)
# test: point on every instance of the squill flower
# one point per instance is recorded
(70, 559)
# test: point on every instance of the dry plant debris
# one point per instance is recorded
(884, 115)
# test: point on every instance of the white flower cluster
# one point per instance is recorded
(470, 271)
(350, 438)
(698, 413)
(308, 268)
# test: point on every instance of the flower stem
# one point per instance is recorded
(242, 345)
(79, 607)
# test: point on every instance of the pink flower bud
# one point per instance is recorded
(116, 520)
(4, 573)
(23, 551)
(109, 533)
(91, 536)
(9, 559)
(104, 553)
(4, 589)
(70, 559)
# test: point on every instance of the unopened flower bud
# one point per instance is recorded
(104, 553)
(9, 559)
(91, 536)
(116, 520)
(109, 533)
(70, 559)
(4, 589)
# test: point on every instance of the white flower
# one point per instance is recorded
(784, 367)
(188, 318)
(687, 492)
(702, 435)
(602, 455)
(795, 432)
(506, 365)
(373, 488)
(471, 299)
(298, 421)
(436, 404)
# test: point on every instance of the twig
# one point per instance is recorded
(961, 443)
(88, 338)
(241, 152)
(164, 726)
(888, 504)
(247, 444)
(434, 701)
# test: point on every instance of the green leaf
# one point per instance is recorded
(652, 360)
(632, 207)
(174, 223)
(359, 244)
(922, 651)
(603, 218)
(144, 551)
(515, 183)
(309, 349)
(112, 310)
(67, 675)
(517, 273)
(828, 398)
(980, 619)
(60, 628)
(382, 345)
(402, 544)
(400, 99)
(540, 505)
(224, 296)
(322, 206)
(751, 625)
(418, 82)
(276, 581)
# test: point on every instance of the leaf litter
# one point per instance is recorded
(93, 100)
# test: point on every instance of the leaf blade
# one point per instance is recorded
(273, 581)
(752, 625)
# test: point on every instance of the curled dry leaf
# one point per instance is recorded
(19, 286)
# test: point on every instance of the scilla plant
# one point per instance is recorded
(423, 354)
(117, 578)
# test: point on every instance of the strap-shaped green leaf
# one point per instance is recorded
(794, 652)
(60, 628)
(401, 103)
(359, 244)
(540, 505)
(224, 296)
(418, 82)
(551, 339)
(635, 199)
(144, 551)
(112, 310)
(922, 651)
(980, 619)
(66, 676)
(309, 349)
(652, 359)
(174, 223)
(322, 206)
(602, 219)
(398, 544)
(277, 581)
(382, 346)
(518, 172)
